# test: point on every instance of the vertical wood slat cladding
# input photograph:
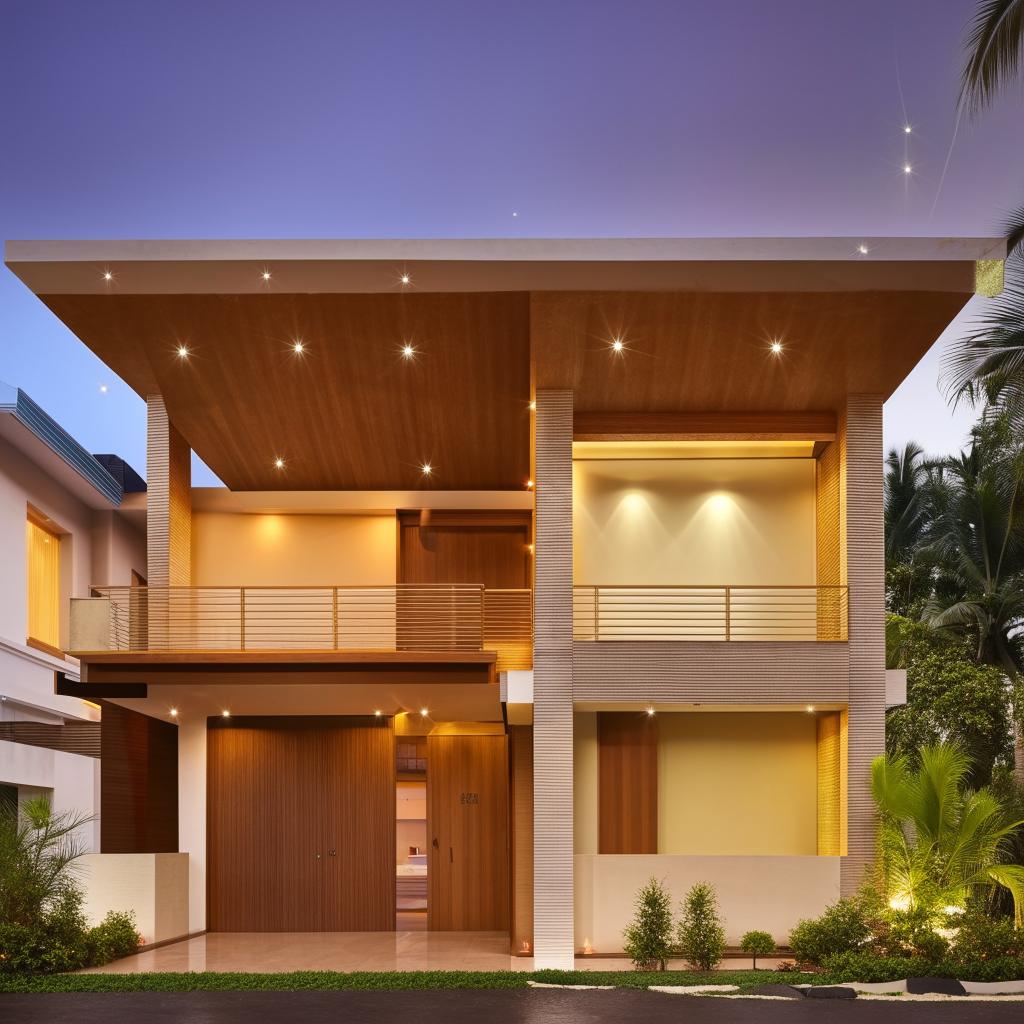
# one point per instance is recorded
(865, 567)
(285, 792)
(467, 819)
(554, 943)
(470, 547)
(627, 817)
(827, 539)
(829, 798)
(138, 783)
(521, 757)
(168, 502)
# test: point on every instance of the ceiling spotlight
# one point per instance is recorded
(378, 713)
(426, 469)
(174, 712)
(650, 712)
(182, 352)
(907, 129)
(298, 348)
(529, 484)
(107, 275)
(408, 351)
(810, 709)
(265, 275)
(225, 713)
(405, 279)
(424, 712)
(278, 463)
(776, 348)
(618, 345)
(907, 169)
(862, 249)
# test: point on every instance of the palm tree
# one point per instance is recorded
(994, 50)
(938, 841)
(905, 511)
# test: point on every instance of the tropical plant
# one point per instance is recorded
(756, 944)
(994, 50)
(939, 843)
(649, 935)
(701, 937)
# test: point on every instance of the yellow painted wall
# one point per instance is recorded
(292, 550)
(694, 521)
(737, 783)
(584, 796)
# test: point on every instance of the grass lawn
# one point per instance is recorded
(209, 981)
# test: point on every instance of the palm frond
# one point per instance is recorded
(994, 49)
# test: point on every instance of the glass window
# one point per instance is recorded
(43, 584)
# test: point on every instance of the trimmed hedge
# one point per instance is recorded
(871, 968)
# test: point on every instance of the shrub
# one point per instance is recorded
(649, 936)
(843, 928)
(982, 938)
(114, 937)
(701, 936)
(756, 944)
(872, 968)
(909, 933)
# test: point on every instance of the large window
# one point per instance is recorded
(43, 584)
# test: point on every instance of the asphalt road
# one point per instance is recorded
(537, 1006)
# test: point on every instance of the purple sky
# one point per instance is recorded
(334, 119)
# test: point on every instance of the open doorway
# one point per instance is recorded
(411, 833)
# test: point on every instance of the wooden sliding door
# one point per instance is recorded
(467, 828)
(300, 824)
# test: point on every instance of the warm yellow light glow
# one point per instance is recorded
(951, 909)
(266, 275)
(529, 547)
(278, 463)
(225, 713)
(174, 712)
(424, 712)
(720, 504)
(405, 279)
(298, 348)
(899, 903)
(408, 351)
(776, 348)
(810, 709)
(426, 469)
(529, 483)
(107, 275)
(650, 712)
(378, 713)
(533, 407)
(862, 249)
(182, 352)
(618, 345)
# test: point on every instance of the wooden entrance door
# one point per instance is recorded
(300, 824)
(467, 828)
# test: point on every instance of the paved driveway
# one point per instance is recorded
(537, 1006)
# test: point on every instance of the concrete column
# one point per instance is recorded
(552, 684)
(865, 573)
(192, 815)
(168, 499)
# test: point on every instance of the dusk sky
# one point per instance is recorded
(477, 119)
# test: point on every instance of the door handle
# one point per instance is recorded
(451, 858)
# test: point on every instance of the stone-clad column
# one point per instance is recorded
(552, 687)
(865, 571)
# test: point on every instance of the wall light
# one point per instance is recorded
(529, 484)
(378, 713)
(810, 709)
(650, 712)
(533, 407)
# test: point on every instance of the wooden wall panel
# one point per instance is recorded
(627, 816)
(138, 783)
(169, 499)
(829, 792)
(283, 793)
(521, 757)
(465, 548)
(467, 828)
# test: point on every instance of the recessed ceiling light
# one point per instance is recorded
(618, 345)
(810, 709)
(298, 348)
(408, 351)
(107, 275)
(424, 712)
(174, 712)
(907, 169)
(650, 712)
(378, 713)
(529, 484)
(426, 469)
(279, 463)
(862, 249)
(225, 713)
(182, 352)
(776, 348)
(907, 129)
(405, 279)
(265, 275)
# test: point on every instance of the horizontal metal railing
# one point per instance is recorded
(405, 617)
(710, 613)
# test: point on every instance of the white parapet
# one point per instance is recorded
(89, 624)
(153, 885)
(764, 893)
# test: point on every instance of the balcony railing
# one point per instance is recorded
(710, 613)
(406, 617)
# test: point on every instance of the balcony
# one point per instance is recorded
(427, 619)
(710, 613)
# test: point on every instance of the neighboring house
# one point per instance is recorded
(63, 528)
(542, 567)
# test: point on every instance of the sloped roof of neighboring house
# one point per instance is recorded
(33, 431)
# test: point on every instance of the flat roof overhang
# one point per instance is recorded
(491, 320)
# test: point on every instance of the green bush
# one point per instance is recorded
(756, 944)
(843, 928)
(114, 937)
(649, 935)
(981, 938)
(908, 933)
(701, 936)
(873, 968)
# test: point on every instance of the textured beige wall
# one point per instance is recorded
(584, 800)
(737, 783)
(768, 893)
(292, 550)
(694, 521)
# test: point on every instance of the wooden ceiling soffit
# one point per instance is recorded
(718, 426)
